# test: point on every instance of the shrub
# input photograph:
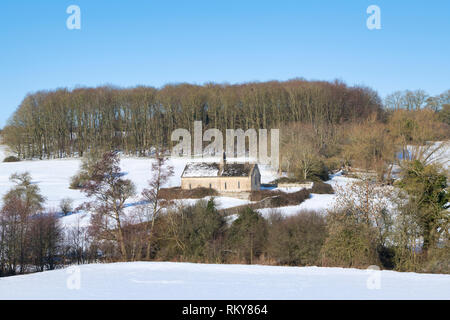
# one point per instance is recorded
(320, 187)
(193, 233)
(89, 162)
(444, 114)
(314, 171)
(247, 236)
(201, 232)
(438, 260)
(279, 198)
(287, 180)
(262, 194)
(297, 240)
(76, 182)
(349, 243)
(11, 159)
(66, 206)
(178, 193)
(334, 163)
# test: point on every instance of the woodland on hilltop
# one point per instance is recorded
(64, 122)
(324, 125)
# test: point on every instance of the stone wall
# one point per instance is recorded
(221, 184)
(306, 185)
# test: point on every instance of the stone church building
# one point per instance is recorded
(223, 176)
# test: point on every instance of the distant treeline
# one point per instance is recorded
(65, 122)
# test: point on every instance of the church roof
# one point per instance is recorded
(237, 170)
(201, 169)
(206, 169)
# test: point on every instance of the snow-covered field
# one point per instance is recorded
(53, 178)
(168, 280)
(317, 202)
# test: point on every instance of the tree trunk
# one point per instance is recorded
(120, 239)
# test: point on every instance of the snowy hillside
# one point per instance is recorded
(166, 280)
(317, 202)
(53, 178)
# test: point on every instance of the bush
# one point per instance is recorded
(178, 193)
(334, 163)
(194, 233)
(11, 159)
(279, 198)
(76, 182)
(320, 187)
(247, 236)
(349, 244)
(201, 232)
(89, 162)
(438, 260)
(297, 240)
(317, 172)
(66, 206)
(287, 180)
(262, 194)
(444, 114)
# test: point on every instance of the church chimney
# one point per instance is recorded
(223, 162)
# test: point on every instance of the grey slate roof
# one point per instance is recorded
(201, 169)
(204, 169)
(237, 170)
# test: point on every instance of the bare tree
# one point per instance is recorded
(66, 206)
(78, 242)
(20, 204)
(368, 202)
(415, 100)
(110, 192)
(395, 100)
(45, 241)
(161, 172)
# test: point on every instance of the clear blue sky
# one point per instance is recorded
(137, 42)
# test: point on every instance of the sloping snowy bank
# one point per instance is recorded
(167, 280)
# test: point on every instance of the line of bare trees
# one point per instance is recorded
(416, 100)
(32, 238)
(372, 144)
(29, 237)
(66, 122)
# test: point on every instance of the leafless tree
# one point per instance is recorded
(45, 241)
(161, 172)
(110, 192)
